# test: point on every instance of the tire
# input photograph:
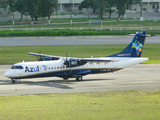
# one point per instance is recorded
(79, 78)
(65, 78)
(13, 81)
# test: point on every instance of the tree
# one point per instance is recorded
(110, 4)
(102, 7)
(46, 8)
(121, 6)
(95, 4)
(21, 6)
(11, 3)
(89, 3)
(32, 9)
(3, 4)
(36, 8)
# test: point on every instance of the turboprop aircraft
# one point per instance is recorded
(68, 67)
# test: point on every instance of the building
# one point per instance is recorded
(65, 6)
(148, 6)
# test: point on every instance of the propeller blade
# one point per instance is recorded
(40, 58)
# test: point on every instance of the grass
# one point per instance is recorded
(109, 22)
(17, 33)
(16, 54)
(57, 20)
(115, 105)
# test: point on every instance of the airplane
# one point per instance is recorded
(69, 67)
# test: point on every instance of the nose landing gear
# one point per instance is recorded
(14, 80)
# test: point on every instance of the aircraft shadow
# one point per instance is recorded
(63, 84)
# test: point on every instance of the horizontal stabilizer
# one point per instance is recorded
(141, 35)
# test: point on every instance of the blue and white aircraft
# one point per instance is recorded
(68, 67)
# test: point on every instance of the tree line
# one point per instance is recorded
(106, 6)
(44, 8)
(33, 8)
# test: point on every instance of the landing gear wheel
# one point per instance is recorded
(65, 78)
(14, 80)
(79, 78)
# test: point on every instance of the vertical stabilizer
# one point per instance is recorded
(135, 48)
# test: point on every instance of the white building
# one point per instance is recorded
(67, 5)
(148, 6)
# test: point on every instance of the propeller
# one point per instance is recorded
(67, 62)
(70, 62)
(40, 58)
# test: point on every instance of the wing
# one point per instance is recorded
(45, 57)
(71, 62)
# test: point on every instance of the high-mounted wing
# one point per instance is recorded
(44, 57)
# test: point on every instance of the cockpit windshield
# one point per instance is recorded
(16, 67)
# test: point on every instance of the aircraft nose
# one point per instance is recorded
(7, 74)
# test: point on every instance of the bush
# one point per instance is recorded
(66, 33)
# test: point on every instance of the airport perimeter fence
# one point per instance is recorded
(90, 23)
(87, 28)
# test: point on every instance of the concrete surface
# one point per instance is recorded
(138, 77)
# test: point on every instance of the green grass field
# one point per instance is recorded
(108, 22)
(19, 53)
(18, 33)
(116, 105)
(58, 20)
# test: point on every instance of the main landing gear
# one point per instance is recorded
(65, 78)
(79, 78)
(14, 80)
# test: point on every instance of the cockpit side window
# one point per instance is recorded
(16, 67)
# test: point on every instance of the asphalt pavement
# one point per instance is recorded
(138, 77)
(72, 40)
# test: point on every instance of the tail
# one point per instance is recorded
(135, 48)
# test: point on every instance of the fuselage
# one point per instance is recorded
(56, 68)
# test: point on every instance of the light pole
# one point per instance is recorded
(71, 10)
(13, 17)
(88, 10)
(49, 19)
(32, 14)
(141, 13)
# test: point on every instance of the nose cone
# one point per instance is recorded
(7, 74)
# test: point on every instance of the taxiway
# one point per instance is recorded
(72, 40)
(138, 77)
